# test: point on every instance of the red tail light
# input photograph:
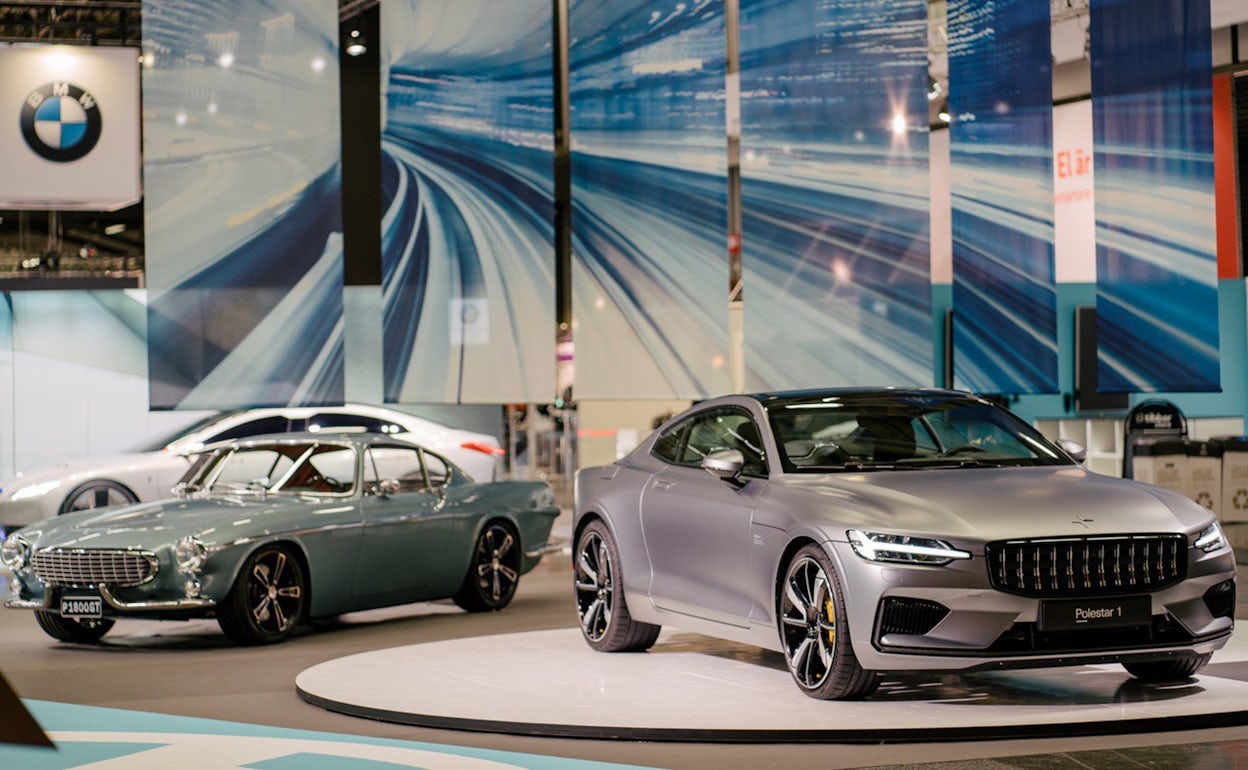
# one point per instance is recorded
(483, 448)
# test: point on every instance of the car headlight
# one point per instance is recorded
(873, 546)
(190, 553)
(15, 552)
(1210, 538)
(35, 490)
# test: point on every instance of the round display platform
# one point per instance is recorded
(694, 688)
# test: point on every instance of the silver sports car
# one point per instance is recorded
(870, 530)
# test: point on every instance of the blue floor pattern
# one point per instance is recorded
(91, 736)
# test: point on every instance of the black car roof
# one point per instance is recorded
(779, 398)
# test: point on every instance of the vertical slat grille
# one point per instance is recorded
(1087, 566)
(88, 566)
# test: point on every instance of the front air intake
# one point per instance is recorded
(1087, 566)
(900, 615)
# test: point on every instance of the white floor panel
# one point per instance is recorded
(691, 687)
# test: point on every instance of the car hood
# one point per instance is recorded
(985, 504)
(217, 519)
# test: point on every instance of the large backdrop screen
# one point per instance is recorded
(834, 187)
(243, 203)
(1000, 99)
(649, 193)
(467, 173)
(1156, 252)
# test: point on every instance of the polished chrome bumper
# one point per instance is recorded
(124, 606)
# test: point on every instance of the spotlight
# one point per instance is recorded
(356, 43)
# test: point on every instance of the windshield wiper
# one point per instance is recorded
(870, 466)
(941, 464)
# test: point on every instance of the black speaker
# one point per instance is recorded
(1087, 398)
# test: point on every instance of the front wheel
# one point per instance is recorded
(815, 632)
(268, 599)
(97, 493)
(494, 571)
(606, 622)
(88, 631)
(1173, 670)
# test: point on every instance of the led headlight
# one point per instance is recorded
(903, 548)
(35, 490)
(190, 553)
(15, 552)
(1210, 538)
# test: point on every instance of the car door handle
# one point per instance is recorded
(664, 484)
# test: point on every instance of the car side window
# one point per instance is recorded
(668, 445)
(720, 429)
(439, 473)
(399, 463)
(250, 428)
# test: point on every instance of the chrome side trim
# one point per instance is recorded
(267, 536)
(168, 604)
(23, 604)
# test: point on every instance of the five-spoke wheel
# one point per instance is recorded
(814, 631)
(606, 622)
(493, 572)
(268, 599)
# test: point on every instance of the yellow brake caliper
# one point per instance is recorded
(831, 619)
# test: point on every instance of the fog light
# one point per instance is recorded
(1220, 599)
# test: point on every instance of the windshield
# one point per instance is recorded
(275, 468)
(848, 433)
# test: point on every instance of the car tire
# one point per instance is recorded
(97, 493)
(493, 572)
(268, 599)
(814, 631)
(601, 608)
(71, 630)
(1173, 670)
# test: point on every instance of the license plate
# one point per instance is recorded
(81, 607)
(1081, 614)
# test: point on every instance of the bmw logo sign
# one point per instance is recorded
(61, 122)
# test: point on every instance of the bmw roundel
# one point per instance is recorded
(61, 122)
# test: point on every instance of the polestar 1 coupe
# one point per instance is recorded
(271, 531)
(883, 530)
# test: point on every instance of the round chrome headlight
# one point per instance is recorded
(15, 552)
(190, 553)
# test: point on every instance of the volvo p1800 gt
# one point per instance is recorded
(880, 530)
(268, 532)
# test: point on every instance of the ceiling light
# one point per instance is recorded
(356, 43)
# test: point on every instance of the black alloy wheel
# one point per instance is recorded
(97, 493)
(494, 571)
(605, 620)
(814, 631)
(268, 600)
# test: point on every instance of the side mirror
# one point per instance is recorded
(386, 487)
(725, 465)
(1073, 448)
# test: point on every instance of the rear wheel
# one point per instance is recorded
(268, 599)
(88, 631)
(1173, 670)
(494, 571)
(606, 622)
(97, 493)
(815, 632)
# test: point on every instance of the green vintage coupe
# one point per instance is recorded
(268, 532)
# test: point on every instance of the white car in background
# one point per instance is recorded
(149, 472)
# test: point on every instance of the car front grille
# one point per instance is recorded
(92, 566)
(1087, 566)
